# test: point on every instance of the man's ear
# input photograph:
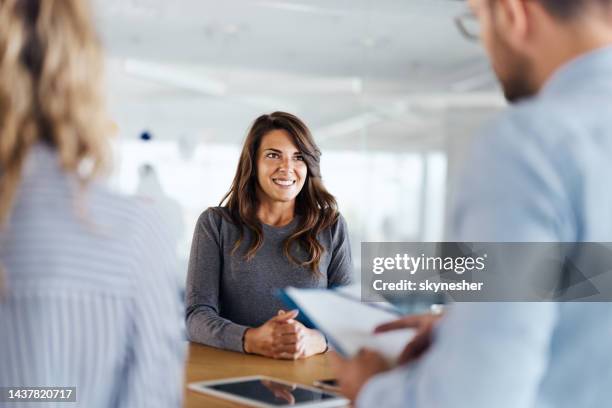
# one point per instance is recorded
(511, 20)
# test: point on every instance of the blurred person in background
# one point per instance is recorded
(276, 227)
(90, 298)
(539, 173)
(150, 189)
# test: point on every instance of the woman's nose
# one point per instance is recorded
(286, 164)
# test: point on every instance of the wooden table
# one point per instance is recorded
(208, 363)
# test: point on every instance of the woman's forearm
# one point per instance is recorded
(205, 326)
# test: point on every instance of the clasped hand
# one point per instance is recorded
(283, 337)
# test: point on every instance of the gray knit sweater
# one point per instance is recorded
(227, 294)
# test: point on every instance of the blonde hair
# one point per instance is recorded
(50, 90)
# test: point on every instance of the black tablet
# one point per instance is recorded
(261, 391)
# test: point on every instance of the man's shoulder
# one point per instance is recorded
(539, 124)
(529, 141)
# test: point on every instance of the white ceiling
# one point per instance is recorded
(203, 70)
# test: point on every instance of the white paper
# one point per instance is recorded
(350, 323)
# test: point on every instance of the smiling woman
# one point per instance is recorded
(276, 227)
(281, 173)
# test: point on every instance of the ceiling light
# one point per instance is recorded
(175, 76)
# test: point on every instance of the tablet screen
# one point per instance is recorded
(271, 392)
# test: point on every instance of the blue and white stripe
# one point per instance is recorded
(93, 300)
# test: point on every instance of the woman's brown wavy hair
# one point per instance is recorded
(316, 207)
(50, 91)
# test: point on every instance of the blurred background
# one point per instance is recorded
(390, 89)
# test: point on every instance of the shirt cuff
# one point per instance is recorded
(389, 389)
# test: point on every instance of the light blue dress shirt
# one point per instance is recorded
(541, 172)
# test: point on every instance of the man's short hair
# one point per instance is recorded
(566, 9)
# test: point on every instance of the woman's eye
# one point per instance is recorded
(272, 155)
(301, 158)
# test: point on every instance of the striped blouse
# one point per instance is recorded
(92, 300)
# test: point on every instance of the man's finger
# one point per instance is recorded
(403, 323)
(337, 361)
(417, 346)
(366, 354)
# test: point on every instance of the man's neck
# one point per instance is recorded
(570, 43)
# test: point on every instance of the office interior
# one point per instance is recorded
(394, 93)
(390, 89)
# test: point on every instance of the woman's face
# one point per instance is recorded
(281, 170)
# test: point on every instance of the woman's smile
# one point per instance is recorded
(283, 182)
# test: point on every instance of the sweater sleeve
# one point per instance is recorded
(204, 324)
(340, 270)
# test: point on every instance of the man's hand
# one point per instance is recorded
(423, 324)
(354, 373)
